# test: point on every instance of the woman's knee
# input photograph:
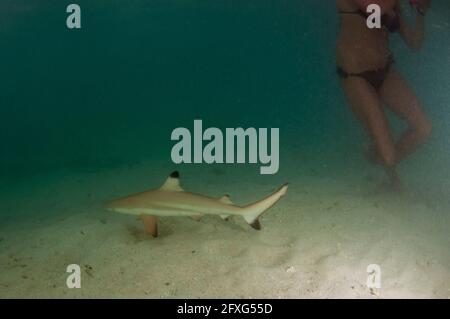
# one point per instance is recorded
(423, 129)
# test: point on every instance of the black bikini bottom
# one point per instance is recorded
(374, 77)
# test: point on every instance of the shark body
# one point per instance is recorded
(171, 200)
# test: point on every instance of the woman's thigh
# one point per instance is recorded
(401, 99)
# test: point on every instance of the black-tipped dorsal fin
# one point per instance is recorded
(226, 199)
(172, 183)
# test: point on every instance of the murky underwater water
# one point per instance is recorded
(86, 116)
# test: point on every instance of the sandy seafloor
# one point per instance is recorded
(315, 243)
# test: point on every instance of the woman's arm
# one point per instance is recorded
(414, 36)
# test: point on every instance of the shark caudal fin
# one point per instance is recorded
(252, 212)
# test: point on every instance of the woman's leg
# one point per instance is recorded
(367, 105)
(400, 98)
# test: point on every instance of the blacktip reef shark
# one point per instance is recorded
(172, 200)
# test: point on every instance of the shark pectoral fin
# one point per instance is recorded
(150, 224)
(225, 217)
(197, 218)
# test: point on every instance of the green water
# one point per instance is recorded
(110, 93)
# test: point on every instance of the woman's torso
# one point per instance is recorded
(359, 48)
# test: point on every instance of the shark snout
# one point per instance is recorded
(109, 206)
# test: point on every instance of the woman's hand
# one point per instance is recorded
(424, 5)
(421, 5)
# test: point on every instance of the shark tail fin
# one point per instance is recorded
(252, 212)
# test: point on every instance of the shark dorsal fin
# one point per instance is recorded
(172, 183)
(226, 200)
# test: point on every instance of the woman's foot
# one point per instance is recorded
(391, 185)
(372, 155)
(395, 183)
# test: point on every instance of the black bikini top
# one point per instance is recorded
(392, 23)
